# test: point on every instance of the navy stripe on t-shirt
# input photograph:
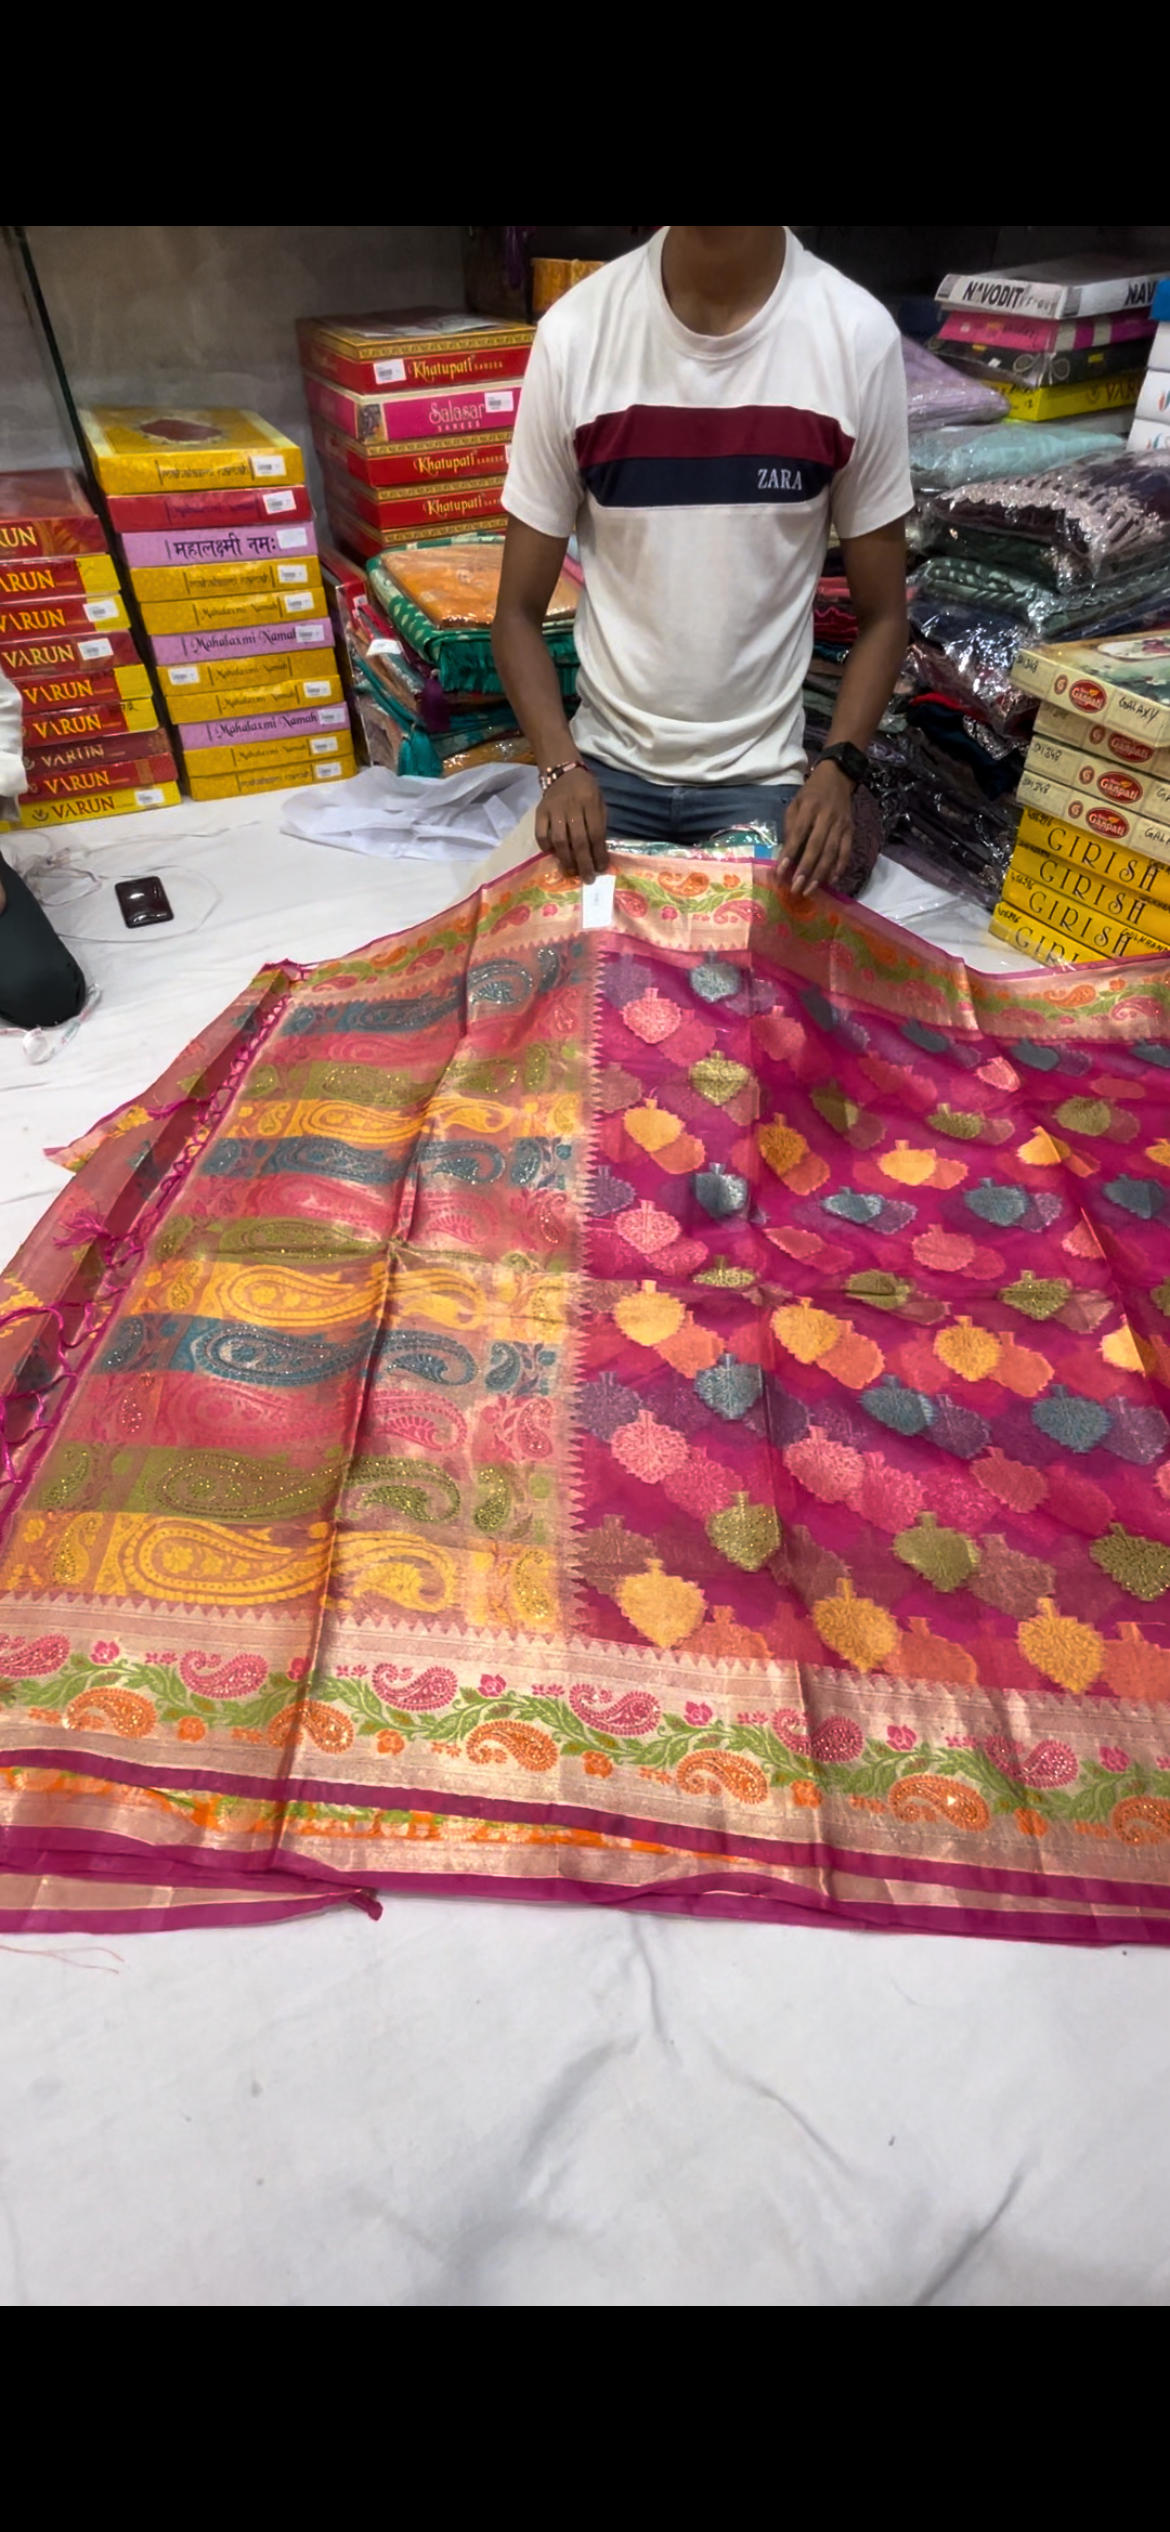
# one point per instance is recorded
(651, 483)
(651, 456)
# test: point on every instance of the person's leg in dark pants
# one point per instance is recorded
(40, 983)
(647, 812)
(711, 809)
(637, 810)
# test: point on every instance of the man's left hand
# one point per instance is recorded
(818, 832)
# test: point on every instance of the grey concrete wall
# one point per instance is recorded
(206, 315)
(34, 430)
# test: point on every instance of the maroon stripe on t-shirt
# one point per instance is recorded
(689, 430)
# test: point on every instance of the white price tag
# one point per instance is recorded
(267, 468)
(100, 610)
(499, 400)
(334, 715)
(184, 676)
(277, 501)
(597, 903)
(317, 689)
(389, 373)
(286, 572)
(324, 746)
(326, 773)
(149, 799)
(96, 649)
(291, 540)
(314, 633)
(299, 604)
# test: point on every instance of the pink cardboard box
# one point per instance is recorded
(262, 725)
(267, 544)
(384, 421)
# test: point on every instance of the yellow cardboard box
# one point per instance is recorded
(152, 447)
(94, 804)
(1116, 862)
(1088, 395)
(280, 778)
(258, 756)
(1114, 904)
(1072, 922)
(171, 582)
(1022, 932)
(219, 615)
(245, 703)
(262, 672)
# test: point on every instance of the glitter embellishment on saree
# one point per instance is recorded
(675, 1416)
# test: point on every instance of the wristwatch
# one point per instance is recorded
(852, 760)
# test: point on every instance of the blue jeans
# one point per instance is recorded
(685, 813)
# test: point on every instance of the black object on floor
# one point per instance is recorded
(41, 983)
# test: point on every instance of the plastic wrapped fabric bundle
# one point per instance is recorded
(937, 393)
(981, 550)
(1104, 513)
(376, 649)
(933, 830)
(457, 586)
(921, 538)
(461, 656)
(980, 761)
(834, 614)
(1130, 600)
(970, 654)
(1051, 368)
(426, 749)
(941, 459)
(403, 747)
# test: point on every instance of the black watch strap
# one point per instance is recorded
(852, 760)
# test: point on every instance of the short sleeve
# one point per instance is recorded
(543, 486)
(874, 489)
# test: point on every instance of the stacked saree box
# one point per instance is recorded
(419, 637)
(1089, 878)
(412, 415)
(90, 733)
(1059, 339)
(1151, 423)
(217, 533)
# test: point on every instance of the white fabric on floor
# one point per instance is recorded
(473, 2104)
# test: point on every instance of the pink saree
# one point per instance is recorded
(671, 1417)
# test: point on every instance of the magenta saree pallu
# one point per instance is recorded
(673, 1416)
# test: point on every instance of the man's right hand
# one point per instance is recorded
(571, 822)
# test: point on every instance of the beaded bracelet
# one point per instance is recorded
(552, 773)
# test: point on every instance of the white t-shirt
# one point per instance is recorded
(701, 473)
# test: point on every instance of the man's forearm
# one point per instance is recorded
(532, 687)
(871, 674)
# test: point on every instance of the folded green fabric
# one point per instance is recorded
(425, 751)
(1051, 615)
(462, 658)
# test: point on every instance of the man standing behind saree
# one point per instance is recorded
(704, 412)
